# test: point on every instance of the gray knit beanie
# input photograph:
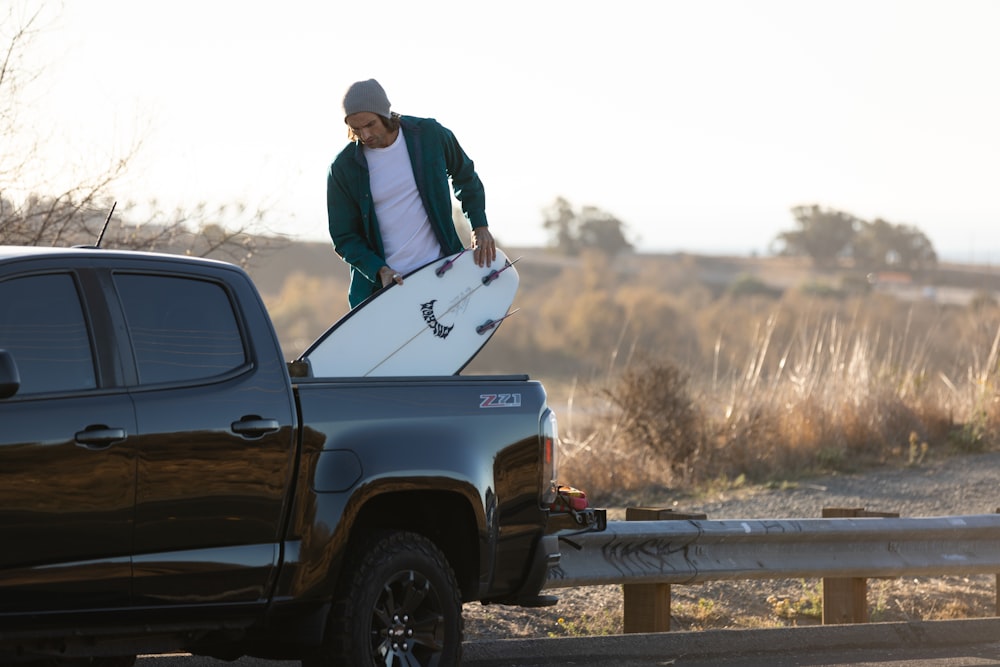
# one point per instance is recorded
(366, 96)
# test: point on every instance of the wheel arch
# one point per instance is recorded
(446, 518)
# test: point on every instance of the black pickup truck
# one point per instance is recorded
(169, 484)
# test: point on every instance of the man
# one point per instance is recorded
(388, 195)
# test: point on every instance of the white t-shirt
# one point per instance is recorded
(407, 235)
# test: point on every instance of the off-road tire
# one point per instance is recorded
(400, 605)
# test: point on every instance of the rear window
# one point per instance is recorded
(182, 329)
(42, 324)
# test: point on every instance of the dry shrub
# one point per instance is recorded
(873, 427)
(938, 419)
(654, 411)
(646, 434)
(750, 445)
(610, 473)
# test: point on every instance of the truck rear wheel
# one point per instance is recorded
(401, 605)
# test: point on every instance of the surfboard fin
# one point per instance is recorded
(495, 273)
(441, 270)
(492, 324)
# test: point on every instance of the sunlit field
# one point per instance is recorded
(682, 372)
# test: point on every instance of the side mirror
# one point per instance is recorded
(10, 379)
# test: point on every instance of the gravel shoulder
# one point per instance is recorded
(961, 485)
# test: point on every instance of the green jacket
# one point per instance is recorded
(435, 155)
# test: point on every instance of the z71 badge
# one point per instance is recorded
(500, 400)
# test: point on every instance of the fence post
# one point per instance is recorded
(845, 599)
(647, 606)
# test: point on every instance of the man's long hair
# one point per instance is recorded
(390, 123)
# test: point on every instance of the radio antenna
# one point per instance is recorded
(105, 228)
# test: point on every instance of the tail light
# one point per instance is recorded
(550, 451)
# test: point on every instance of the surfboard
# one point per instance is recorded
(432, 324)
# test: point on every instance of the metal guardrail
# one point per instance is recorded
(693, 551)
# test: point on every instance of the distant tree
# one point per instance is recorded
(823, 234)
(602, 231)
(35, 212)
(872, 247)
(559, 221)
(827, 234)
(883, 245)
(916, 252)
(589, 229)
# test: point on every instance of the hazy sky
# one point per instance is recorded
(699, 124)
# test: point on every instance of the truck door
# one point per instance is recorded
(215, 444)
(67, 481)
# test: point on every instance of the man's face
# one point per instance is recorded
(370, 129)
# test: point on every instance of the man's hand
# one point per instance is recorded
(387, 276)
(484, 248)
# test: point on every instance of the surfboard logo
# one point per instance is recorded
(427, 311)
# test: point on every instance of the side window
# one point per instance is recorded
(182, 329)
(42, 325)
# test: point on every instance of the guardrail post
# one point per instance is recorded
(647, 606)
(845, 599)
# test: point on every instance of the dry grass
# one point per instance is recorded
(827, 398)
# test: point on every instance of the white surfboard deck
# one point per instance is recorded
(432, 324)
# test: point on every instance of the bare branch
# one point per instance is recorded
(36, 212)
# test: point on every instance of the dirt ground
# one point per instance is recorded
(599, 610)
